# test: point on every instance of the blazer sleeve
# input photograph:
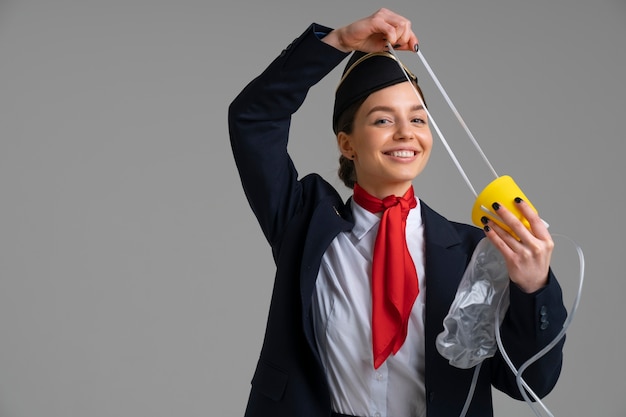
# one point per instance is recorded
(531, 323)
(259, 119)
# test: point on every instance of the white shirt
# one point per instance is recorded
(342, 313)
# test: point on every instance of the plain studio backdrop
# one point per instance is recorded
(134, 280)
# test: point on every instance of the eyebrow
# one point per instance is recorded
(417, 107)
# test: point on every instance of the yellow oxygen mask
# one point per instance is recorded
(504, 190)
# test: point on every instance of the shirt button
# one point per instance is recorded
(376, 414)
(379, 376)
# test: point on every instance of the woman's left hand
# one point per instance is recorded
(527, 259)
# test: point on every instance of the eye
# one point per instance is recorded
(419, 118)
(382, 121)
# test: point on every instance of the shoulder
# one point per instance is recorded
(316, 190)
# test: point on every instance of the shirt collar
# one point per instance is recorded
(365, 220)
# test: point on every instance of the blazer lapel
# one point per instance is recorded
(327, 221)
(445, 264)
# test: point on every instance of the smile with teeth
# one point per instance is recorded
(402, 154)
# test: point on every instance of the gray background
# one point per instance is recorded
(134, 280)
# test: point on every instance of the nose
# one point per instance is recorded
(404, 131)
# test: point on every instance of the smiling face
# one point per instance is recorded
(390, 142)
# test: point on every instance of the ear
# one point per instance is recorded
(344, 142)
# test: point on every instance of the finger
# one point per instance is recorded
(408, 41)
(410, 45)
(381, 22)
(501, 238)
(404, 34)
(397, 29)
(512, 221)
(537, 226)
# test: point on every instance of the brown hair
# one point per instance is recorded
(345, 123)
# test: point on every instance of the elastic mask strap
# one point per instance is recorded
(456, 113)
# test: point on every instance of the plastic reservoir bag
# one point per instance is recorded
(469, 334)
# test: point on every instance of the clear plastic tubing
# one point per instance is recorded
(525, 390)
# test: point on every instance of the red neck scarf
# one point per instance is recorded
(394, 279)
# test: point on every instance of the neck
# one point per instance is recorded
(381, 192)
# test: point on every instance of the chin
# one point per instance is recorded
(407, 176)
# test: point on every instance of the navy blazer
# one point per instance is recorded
(300, 217)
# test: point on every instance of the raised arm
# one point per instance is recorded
(259, 120)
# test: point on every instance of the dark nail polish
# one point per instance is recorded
(487, 228)
(396, 45)
(484, 220)
(416, 47)
(495, 206)
(518, 200)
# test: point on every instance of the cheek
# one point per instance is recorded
(368, 145)
(427, 142)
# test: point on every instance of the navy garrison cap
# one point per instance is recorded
(364, 74)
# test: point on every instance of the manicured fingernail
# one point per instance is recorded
(495, 206)
(396, 45)
(487, 228)
(484, 220)
(518, 200)
(416, 47)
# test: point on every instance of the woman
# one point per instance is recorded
(362, 287)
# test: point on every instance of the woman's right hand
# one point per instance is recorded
(372, 33)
